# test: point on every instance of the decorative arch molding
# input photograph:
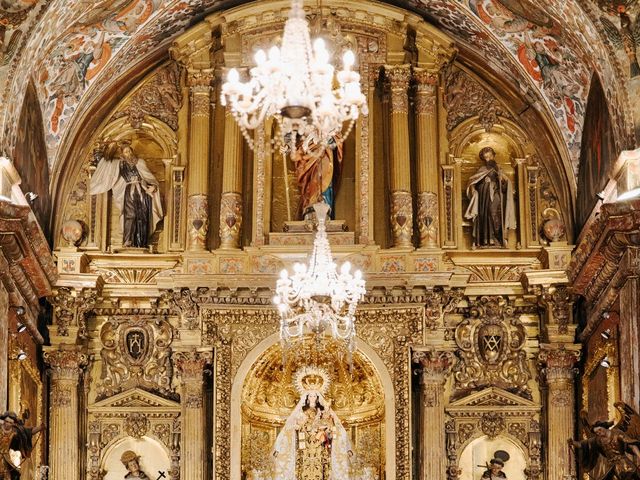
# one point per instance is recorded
(258, 351)
(240, 335)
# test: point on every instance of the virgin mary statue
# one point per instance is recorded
(313, 444)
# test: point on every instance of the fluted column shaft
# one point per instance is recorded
(199, 82)
(559, 369)
(64, 444)
(193, 457)
(435, 367)
(231, 201)
(426, 126)
(400, 167)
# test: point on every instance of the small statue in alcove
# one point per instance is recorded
(494, 467)
(611, 452)
(16, 437)
(491, 204)
(135, 192)
(131, 461)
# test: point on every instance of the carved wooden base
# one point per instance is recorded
(428, 219)
(197, 222)
(230, 220)
(401, 219)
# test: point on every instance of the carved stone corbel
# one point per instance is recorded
(71, 308)
(439, 303)
(182, 303)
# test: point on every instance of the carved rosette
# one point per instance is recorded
(492, 425)
(399, 77)
(198, 221)
(65, 364)
(230, 219)
(428, 219)
(426, 83)
(136, 425)
(199, 82)
(401, 218)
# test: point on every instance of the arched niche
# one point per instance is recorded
(154, 457)
(534, 195)
(481, 450)
(259, 361)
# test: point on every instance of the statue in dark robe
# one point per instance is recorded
(491, 203)
(14, 435)
(135, 193)
(611, 452)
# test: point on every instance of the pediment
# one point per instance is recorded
(493, 398)
(135, 398)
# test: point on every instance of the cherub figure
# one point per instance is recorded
(611, 452)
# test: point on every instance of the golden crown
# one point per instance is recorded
(312, 379)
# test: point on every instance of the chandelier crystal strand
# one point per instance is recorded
(295, 85)
(318, 299)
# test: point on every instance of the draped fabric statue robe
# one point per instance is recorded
(312, 445)
(491, 206)
(140, 210)
(318, 172)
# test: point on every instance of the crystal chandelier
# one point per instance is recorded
(317, 299)
(295, 84)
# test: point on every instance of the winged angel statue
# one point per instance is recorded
(611, 452)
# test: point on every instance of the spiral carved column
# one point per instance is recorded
(66, 367)
(198, 171)
(427, 156)
(434, 368)
(401, 200)
(193, 458)
(559, 367)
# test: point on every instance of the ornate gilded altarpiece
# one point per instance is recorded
(176, 345)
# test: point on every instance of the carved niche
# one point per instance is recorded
(136, 353)
(490, 345)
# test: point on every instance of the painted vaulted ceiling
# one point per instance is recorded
(548, 50)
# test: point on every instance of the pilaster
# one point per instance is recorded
(64, 441)
(191, 368)
(435, 366)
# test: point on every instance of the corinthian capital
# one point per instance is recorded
(435, 365)
(191, 364)
(65, 364)
(399, 77)
(558, 362)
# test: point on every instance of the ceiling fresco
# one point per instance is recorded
(76, 50)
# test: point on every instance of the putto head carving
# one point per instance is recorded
(312, 379)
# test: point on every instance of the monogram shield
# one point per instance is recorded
(136, 344)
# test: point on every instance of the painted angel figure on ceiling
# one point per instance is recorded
(627, 36)
(612, 452)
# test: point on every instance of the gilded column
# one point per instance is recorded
(559, 369)
(427, 156)
(435, 367)
(199, 82)
(400, 169)
(193, 456)
(231, 201)
(64, 444)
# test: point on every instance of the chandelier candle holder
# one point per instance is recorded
(295, 85)
(318, 299)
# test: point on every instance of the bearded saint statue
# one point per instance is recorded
(313, 444)
(491, 205)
